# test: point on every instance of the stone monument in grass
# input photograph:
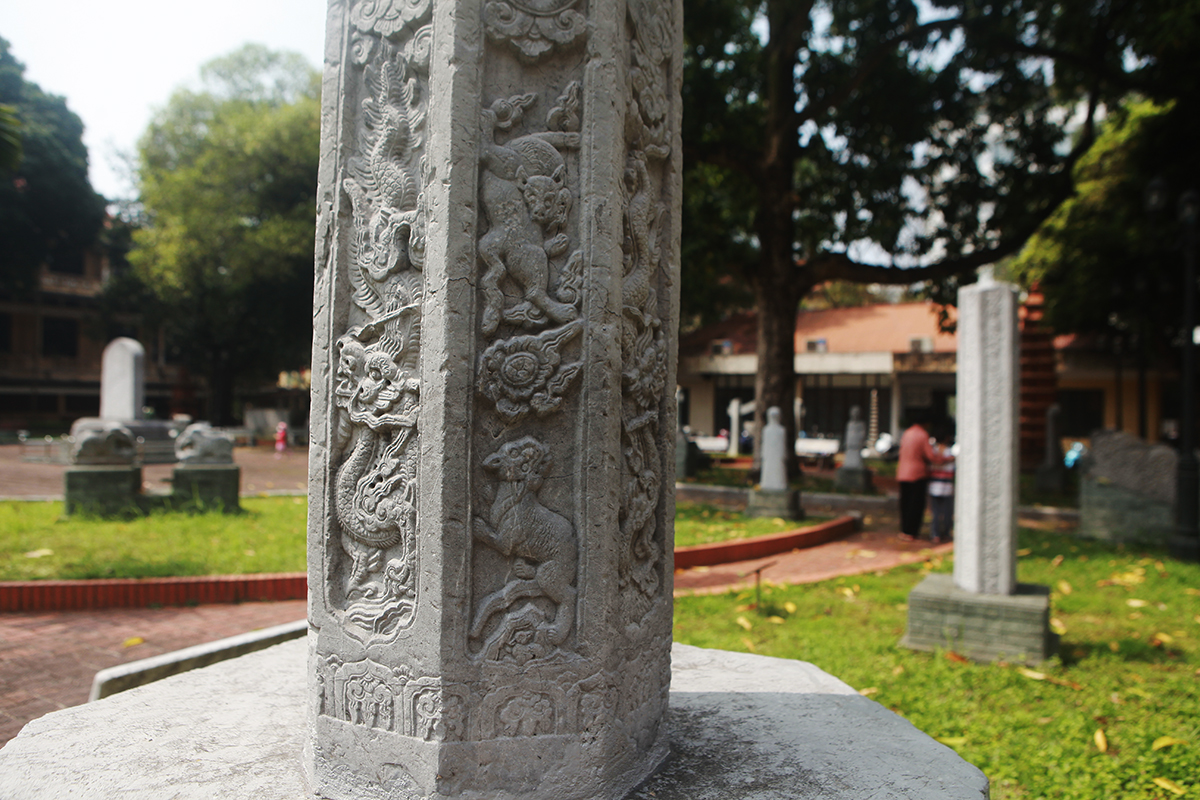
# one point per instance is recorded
(853, 475)
(982, 611)
(206, 475)
(493, 419)
(773, 497)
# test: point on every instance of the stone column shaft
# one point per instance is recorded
(491, 468)
(985, 522)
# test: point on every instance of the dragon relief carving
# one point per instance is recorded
(377, 394)
(534, 27)
(643, 345)
(541, 549)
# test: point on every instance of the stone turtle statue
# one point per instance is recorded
(99, 442)
(200, 443)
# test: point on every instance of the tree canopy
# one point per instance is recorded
(890, 141)
(227, 177)
(49, 213)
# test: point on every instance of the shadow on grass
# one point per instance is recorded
(1129, 650)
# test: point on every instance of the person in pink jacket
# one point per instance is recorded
(912, 473)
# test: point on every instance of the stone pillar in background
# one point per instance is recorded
(853, 475)
(735, 427)
(493, 417)
(983, 612)
(123, 380)
(773, 498)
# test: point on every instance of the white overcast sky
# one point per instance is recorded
(117, 61)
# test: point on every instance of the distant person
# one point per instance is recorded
(941, 493)
(281, 434)
(912, 474)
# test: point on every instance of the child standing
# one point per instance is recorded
(941, 496)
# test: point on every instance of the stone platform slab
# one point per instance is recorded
(741, 726)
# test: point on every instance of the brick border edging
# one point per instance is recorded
(145, 592)
(708, 555)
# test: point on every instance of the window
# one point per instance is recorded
(721, 347)
(920, 344)
(816, 346)
(60, 337)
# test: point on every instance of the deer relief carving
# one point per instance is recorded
(527, 203)
(541, 548)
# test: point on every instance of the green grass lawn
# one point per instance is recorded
(1128, 668)
(699, 523)
(37, 542)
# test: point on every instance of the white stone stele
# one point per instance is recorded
(742, 727)
(988, 403)
(774, 453)
(493, 414)
(123, 380)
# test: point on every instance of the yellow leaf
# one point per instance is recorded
(1162, 638)
(789, 607)
(1114, 646)
(897, 670)
(749, 644)
(1101, 740)
(745, 623)
(1057, 626)
(870, 690)
(867, 553)
(1029, 673)
(40, 553)
(1064, 587)
(1133, 602)
(1193, 592)
(952, 741)
(1023, 552)
(775, 619)
(1169, 785)
(133, 641)
(1165, 741)
(1057, 560)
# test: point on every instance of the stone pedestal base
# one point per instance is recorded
(850, 479)
(1115, 514)
(741, 726)
(984, 627)
(206, 486)
(763, 503)
(103, 490)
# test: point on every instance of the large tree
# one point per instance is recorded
(227, 177)
(49, 213)
(890, 141)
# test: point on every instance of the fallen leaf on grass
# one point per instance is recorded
(133, 641)
(1057, 626)
(45, 551)
(897, 670)
(745, 623)
(1024, 551)
(1032, 674)
(952, 741)
(870, 690)
(1064, 587)
(1161, 638)
(1114, 646)
(1058, 559)
(1165, 741)
(749, 644)
(1191, 591)
(1101, 740)
(1133, 602)
(956, 658)
(1169, 785)
(789, 607)
(846, 590)
(775, 619)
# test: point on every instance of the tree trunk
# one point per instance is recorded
(775, 381)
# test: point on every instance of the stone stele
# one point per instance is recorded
(122, 379)
(493, 419)
(984, 613)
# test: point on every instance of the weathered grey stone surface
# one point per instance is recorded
(1115, 514)
(206, 486)
(856, 435)
(1121, 459)
(785, 504)
(982, 626)
(848, 479)
(493, 419)
(985, 506)
(742, 727)
(104, 490)
(200, 443)
(774, 453)
(98, 441)
(123, 380)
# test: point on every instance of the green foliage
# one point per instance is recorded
(48, 210)
(1031, 731)
(228, 182)
(268, 537)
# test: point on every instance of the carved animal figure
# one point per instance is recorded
(540, 542)
(526, 201)
(201, 444)
(102, 443)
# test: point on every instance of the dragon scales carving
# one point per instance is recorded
(377, 394)
(643, 345)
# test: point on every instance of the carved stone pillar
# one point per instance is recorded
(493, 421)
